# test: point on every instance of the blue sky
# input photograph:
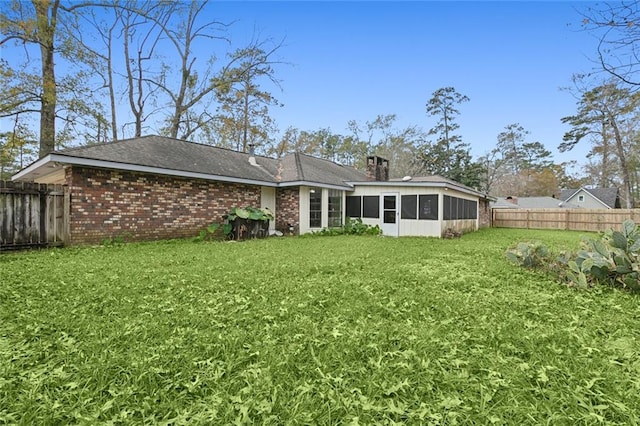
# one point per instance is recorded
(355, 60)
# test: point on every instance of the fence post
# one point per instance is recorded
(44, 213)
(66, 206)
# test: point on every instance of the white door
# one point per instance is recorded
(268, 200)
(390, 214)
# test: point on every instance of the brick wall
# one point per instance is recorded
(287, 209)
(484, 208)
(142, 206)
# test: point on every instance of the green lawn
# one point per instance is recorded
(331, 330)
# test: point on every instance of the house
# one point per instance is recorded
(592, 198)
(582, 198)
(511, 202)
(156, 187)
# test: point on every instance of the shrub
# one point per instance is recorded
(239, 219)
(529, 254)
(350, 227)
(613, 259)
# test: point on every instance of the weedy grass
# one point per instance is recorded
(328, 330)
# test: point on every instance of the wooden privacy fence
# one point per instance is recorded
(569, 219)
(33, 215)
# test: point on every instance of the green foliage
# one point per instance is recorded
(350, 227)
(605, 111)
(613, 259)
(251, 213)
(326, 331)
(116, 240)
(209, 233)
(448, 155)
(529, 254)
(17, 149)
(248, 213)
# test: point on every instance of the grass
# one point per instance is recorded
(332, 330)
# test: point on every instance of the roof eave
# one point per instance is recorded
(32, 168)
(287, 184)
(418, 183)
(591, 194)
(90, 162)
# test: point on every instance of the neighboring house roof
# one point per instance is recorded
(528, 203)
(610, 197)
(503, 203)
(174, 157)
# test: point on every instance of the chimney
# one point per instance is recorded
(252, 155)
(377, 169)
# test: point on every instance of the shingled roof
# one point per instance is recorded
(608, 196)
(175, 154)
(159, 154)
(297, 167)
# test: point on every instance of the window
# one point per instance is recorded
(335, 208)
(471, 209)
(581, 198)
(389, 213)
(315, 207)
(428, 207)
(446, 208)
(354, 206)
(409, 207)
(459, 208)
(371, 206)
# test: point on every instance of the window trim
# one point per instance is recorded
(334, 217)
(371, 198)
(349, 200)
(313, 191)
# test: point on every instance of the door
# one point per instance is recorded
(390, 214)
(268, 200)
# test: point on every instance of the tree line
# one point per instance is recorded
(138, 55)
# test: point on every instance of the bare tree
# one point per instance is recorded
(192, 86)
(617, 26)
(191, 98)
(98, 55)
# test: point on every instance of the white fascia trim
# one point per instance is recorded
(316, 184)
(144, 169)
(33, 166)
(425, 184)
(571, 196)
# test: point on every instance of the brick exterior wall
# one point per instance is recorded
(484, 209)
(143, 206)
(288, 209)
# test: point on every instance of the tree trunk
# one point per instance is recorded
(46, 32)
(112, 94)
(604, 177)
(626, 177)
(245, 117)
